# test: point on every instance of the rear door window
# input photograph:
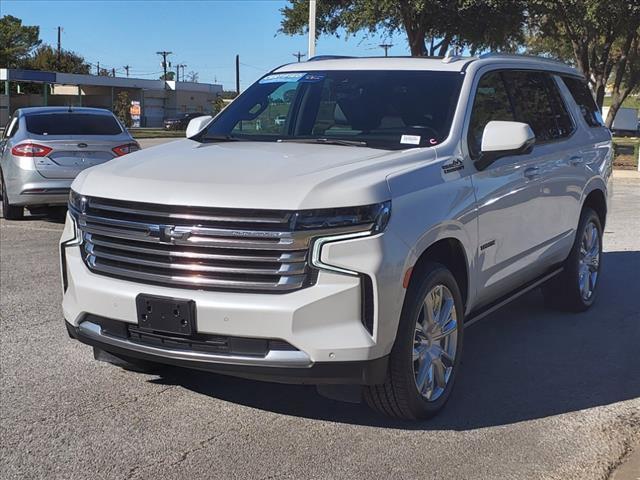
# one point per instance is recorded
(72, 124)
(583, 98)
(532, 103)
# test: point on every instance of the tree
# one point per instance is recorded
(192, 76)
(600, 38)
(16, 41)
(440, 24)
(169, 76)
(46, 58)
(218, 104)
(122, 108)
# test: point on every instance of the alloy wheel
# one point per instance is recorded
(589, 261)
(435, 342)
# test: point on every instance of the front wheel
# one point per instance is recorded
(427, 350)
(576, 287)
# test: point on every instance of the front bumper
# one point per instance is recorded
(323, 322)
(277, 366)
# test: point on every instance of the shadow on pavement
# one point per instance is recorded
(522, 363)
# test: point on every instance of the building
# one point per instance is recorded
(158, 99)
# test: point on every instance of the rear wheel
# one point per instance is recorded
(576, 287)
(10, 212)
(427, 351)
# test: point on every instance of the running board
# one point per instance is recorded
(509, 298)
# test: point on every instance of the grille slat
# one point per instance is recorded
(193, 247)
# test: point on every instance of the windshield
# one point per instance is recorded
(379, 109)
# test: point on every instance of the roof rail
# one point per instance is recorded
(328, 57)
(518, 55)
(451, 56)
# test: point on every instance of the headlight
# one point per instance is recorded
(76, 201)
(373, 218)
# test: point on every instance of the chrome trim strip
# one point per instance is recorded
(274, 358)
(284, 269)
(240, 218)
(320, 242)
(285, 283)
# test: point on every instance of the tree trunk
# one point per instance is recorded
(616, 102)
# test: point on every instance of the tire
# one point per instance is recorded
(9, 212)
(575, 289)
(399, 396)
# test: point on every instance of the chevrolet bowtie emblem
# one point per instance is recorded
(168, 233)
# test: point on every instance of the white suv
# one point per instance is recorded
(400, 199)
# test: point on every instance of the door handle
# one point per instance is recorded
(532, 172)
(577, 160)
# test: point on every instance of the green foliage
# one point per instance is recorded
(601, 38)
(16, 41)
(217, 105)
(229, 94)
(46, 58)
(472, 24)
(169, 76)
(122, 108)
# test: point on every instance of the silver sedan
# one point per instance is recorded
(43, 149)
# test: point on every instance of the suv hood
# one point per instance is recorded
(245, 175)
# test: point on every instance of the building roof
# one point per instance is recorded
(38, 76)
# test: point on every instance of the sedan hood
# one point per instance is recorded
(245, 175)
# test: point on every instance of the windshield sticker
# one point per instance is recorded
(313, 77)
(410, 139)
(282, 77)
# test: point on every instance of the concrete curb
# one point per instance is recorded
(626, 174)
(630, 467)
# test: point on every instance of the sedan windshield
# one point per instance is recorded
(379, 109)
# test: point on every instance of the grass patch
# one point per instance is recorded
(630, 102)
(626, 152)
(155, 133)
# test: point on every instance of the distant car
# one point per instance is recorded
(181, 121)
(42, 149)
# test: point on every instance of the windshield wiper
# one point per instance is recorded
(220, 138)
(325, 141)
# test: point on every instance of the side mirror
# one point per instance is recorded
(196, 125)
(501, 139)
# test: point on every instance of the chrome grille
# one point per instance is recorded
(204, 248)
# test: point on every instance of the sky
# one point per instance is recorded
(204, 35)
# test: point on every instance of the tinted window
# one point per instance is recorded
(385, 109)
(72, 124)
(583, 98)
(532, 104)
(564, 123)
(490, 103)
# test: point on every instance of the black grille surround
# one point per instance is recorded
(243, 250)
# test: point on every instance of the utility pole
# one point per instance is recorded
(182, 65)
(299, 55)
(386, 47)
(238, 74)
(178, 73)
(126, 69)
(59, 47)
(312, 29)
(113, 72)
(98, 69)
(164, 54)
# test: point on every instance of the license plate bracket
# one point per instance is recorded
(166, 314)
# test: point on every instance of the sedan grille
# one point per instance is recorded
(191, 247)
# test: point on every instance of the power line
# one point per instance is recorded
(386, 47)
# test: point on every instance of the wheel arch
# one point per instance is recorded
(597, 201)
(451, 253)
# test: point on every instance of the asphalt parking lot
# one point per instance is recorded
(541, 395)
